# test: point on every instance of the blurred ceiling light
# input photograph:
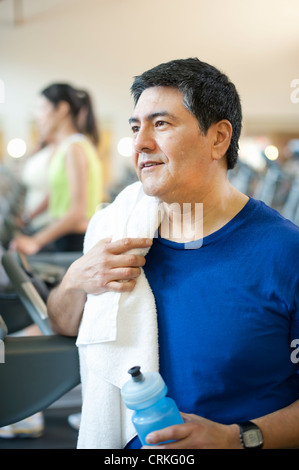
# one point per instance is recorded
(16, 148)
(2, 92)
(251, 154)
(271, 152)
(124, 147)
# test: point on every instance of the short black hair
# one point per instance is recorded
(207, 93)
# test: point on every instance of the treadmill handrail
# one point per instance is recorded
(29, 296)
(31, 292)
(3, 329)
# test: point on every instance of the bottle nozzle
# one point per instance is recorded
(137, 376)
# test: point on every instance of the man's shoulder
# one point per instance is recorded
(276, 231)
(275, 219)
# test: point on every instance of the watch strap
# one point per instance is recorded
(246, 426)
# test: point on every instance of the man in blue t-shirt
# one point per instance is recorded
(226, 290)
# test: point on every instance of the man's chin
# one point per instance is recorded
(150, 190)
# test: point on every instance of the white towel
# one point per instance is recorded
(118, 331)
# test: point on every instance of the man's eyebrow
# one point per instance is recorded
(152, 116)
(133, 120)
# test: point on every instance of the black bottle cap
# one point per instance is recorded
(137, 376)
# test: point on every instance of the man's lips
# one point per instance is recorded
(149, 164)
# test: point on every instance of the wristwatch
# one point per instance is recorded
(250, 435)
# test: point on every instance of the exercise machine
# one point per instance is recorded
(36, 370)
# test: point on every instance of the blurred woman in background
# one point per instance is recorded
(75, 176)
(34, 215)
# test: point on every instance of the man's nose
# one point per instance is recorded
(144, 141)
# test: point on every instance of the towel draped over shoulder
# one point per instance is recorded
(118, 330)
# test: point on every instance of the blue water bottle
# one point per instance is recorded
(146, 394)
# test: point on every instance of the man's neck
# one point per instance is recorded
(184, 222)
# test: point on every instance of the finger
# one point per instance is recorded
(117, 286)
(178, 444)
(124, 261)
(176, 432)
(188, 418)
(185, 443)
(126, 244)
(124, 274)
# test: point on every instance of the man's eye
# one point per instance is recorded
(160, 123)
(135, 129)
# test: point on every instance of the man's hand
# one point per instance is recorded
(196, 433)
(108, 266)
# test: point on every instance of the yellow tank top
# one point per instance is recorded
(60, 196)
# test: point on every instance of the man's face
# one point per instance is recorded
(172, 157)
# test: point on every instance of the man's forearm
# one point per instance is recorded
(65, 307)
(281, 428)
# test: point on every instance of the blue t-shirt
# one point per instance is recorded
(227, 312)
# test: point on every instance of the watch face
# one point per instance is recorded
(252, 438)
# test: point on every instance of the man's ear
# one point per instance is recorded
(222, 133)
